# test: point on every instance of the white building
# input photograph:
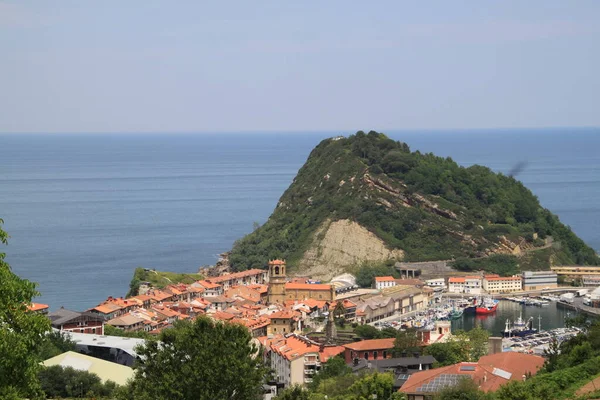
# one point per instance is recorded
(456, 284)
(473, 284)
(465, 284)
(436, 283)
(382, 282)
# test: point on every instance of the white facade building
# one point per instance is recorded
(382, 282)
(438, 282)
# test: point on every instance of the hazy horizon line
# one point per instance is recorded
(311, 131)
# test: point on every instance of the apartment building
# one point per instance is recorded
(473, 284)
(465, 284)
(502, 284)
(243, 278)
(296, 359)
(456, 284)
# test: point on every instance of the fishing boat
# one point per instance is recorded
(455, 314)
(487, 307)
(519, 328)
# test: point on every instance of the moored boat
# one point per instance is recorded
(487, 307)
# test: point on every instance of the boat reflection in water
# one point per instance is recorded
(551, 316)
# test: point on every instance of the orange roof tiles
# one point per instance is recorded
(456, 279)
(221, 315)
(384, 279)
(236, 275)
(37, 307)
(372, 344)
(277, 262)
(293, 347)
(284, 314)
(306, 286)
(327, 352)
(209, 285)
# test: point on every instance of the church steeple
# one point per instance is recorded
(277, 279)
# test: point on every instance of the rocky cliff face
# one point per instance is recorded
(369, 198)
(339, 244)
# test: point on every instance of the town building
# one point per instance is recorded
(373, 349)
(436, 283)
(401, 368)
(590, 280)
(473, 284)
(127, 323)
(210, 289)
(282, 323)
(281, 291)
(296, 359)
(242, 278)
(374, 309)
(574, 271)
(539, 280)
(465, 284)
(489, 373)
(407, 298)
(502, 284)
(456, 284)
(73, 321)
(382, 282)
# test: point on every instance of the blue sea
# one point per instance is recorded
(84, 210)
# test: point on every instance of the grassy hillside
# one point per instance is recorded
(159, 279)
(427, 206)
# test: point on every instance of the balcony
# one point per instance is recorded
(309, 371)
(308, 380)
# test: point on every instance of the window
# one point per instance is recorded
(366, 355)
(384, 354)
(375, 354)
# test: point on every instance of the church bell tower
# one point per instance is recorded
(276, 293)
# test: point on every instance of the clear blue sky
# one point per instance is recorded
(130, 66)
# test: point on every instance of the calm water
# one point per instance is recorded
(551, 317)
(84, 211)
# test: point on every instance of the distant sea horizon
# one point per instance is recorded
(84, 210)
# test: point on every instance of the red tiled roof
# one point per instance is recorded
(384, 279)
(330, 351)
(456, 279)
(208, 285)
(306, 286)
(37, 306)
(236, 275)
(284, 314)
(372, 344)
(277, 262)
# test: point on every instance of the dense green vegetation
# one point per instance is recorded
(428, 206)
(337, 382)
(21, 334)
(159, 279)
(110, 330)
(201, 359)
(58, 382)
